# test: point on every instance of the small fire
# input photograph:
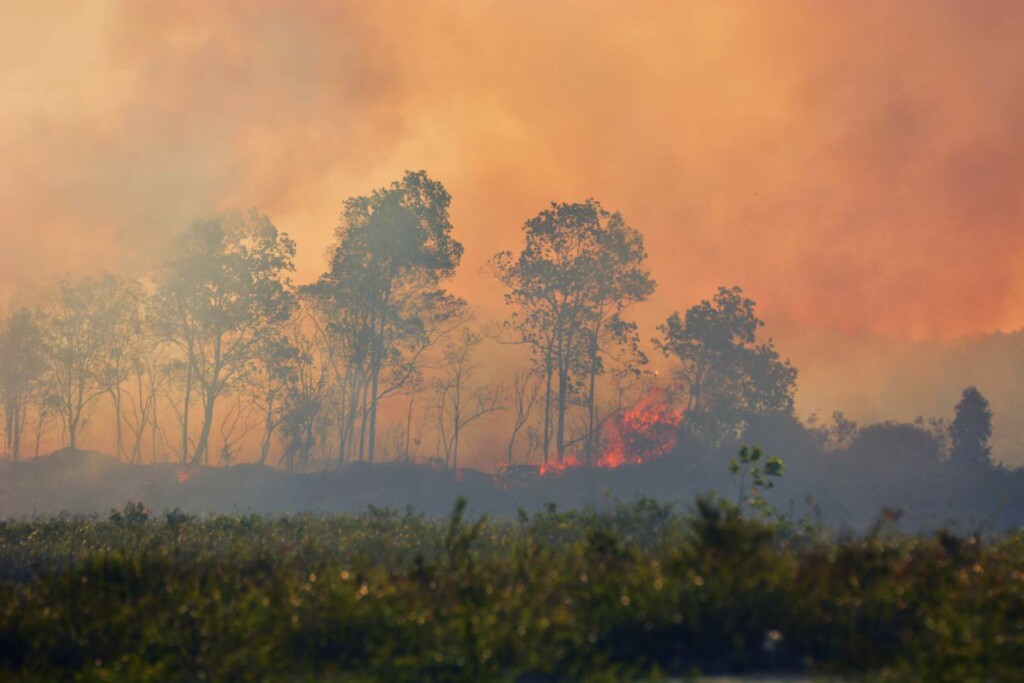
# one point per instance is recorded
(182, 476)
(554, 467)
(646, 431)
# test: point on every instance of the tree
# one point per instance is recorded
(223, 290)
(754, 473)
(148, 380)
(971, 429)
(272, 374)
(382, 294)
(460, 402)
(728, 375)
(124, 335)
(304, 375)
(235, 425)
(581, 267)
(523, 398)
(78, 331)
(893, 452)
(22, 364)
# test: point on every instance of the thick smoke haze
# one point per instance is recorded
(856, 167)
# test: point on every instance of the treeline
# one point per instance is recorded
(217, 348)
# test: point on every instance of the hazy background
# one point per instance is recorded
(857, 167)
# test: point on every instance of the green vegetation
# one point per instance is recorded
(641, 591)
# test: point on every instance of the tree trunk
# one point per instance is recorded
(364, 413)
(19, 425)
(118, 434)
(456, 413)
(74, 415)
(547, 411)
(563, 404)
(154, 428)
(265, 443)
(591, 411)
(376, 361)
(204, 436)
(187, 406)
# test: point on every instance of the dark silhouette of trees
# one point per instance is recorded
(580, 268)
(971, 430)
(223, 290)
(382, 297)
(729, 375)
(22, 364)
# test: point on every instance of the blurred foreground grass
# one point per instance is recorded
(639, 593)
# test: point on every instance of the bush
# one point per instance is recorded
(639, 591)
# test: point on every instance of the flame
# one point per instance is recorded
(646, 431)
(182, 476)
(556, 467)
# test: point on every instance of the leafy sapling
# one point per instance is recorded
(754, 473)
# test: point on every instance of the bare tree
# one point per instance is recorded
(267, 385)
(149, 379)
(47, 406)
(124, 341)
(235, 425)
(526, 386)
(460, 402)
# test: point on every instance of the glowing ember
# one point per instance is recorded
(646, 431)
(182, 476)
(556, 467)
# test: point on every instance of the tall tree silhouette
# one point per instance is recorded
(382, 293)
(580, 268)
(22, 364)
(728, 373)
(971, 429)
(223, 290)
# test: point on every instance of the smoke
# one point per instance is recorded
(855, 166)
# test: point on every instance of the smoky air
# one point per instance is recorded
(429, 341)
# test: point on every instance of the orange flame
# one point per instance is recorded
(646, 431)
(182, 476)
(556, 467)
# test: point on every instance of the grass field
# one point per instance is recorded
(638, 593)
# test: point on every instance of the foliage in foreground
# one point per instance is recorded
(382, 596)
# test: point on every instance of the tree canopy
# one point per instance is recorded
(729, 375)
(971, 429)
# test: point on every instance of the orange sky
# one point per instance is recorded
(857, 167)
